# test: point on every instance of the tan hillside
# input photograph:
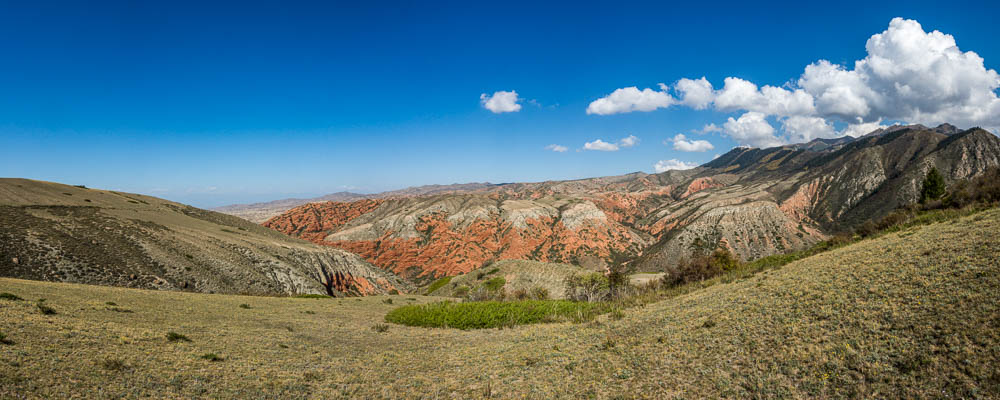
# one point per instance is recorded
(55, 232)
(912, 314)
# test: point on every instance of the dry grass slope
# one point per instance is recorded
(62, 233)
(912, 314)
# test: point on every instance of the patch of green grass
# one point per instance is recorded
(176, 337)
(10, 296)
(494, 314)
(494, 284)
(312, 296)
(211, 357)
(437, 285)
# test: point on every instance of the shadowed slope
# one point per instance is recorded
(55, 232)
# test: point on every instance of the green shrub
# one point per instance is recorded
(494, 314)
(701, 267)
(176, 337)
(437, 285)
(10, 296)
(933, 187)
(495, 284)
(245, 306)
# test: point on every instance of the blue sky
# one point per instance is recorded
(217, 104)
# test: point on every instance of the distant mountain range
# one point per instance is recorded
(260, 212)
(754, 202)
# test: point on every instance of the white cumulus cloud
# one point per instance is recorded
(908, 74)
(629, 141)
(799, 129)
(695, 93)
(500, 102)
(672, 164)
(682, 143)
(600, 145)
(556, 148)
(631, 99)
(751, 129)
(709, 128)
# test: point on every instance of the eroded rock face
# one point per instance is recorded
(753, 202)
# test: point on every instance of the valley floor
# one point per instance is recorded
(911, 314)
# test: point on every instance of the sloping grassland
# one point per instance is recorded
(912, 314)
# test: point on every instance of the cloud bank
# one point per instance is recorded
(623, 143)
(682, 143)
(908, 75)
(672, 164)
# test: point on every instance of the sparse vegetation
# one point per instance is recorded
(10, 296)
(4, 340)
(211, 357)
(113, 364)
(245, 306)
(45, 309)
(176, 337)
(380, 328)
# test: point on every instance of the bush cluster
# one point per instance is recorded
(701, 267)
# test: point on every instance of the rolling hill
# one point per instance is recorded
(753, 202)
(912, 314)
(61, 233)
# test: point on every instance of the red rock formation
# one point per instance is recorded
(698, 185)
(312, 220)
(443, 248)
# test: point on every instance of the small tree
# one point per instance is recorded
(933, 186)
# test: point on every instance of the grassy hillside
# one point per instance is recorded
(55, 232)
(911, 314)
(518, 275)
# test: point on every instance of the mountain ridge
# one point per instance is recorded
(752, 202)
